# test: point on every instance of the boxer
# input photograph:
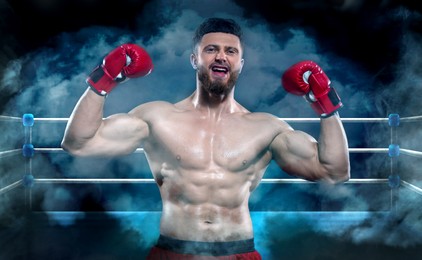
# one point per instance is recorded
(208, 153)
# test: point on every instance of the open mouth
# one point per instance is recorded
(219, 71)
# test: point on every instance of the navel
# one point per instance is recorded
(244, 162)
(178, 157)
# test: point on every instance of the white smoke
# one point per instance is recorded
(52, 80)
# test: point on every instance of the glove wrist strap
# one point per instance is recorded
(327, 104)
(101, 82)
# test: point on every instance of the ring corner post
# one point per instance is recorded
(28, 152)
(394, 152)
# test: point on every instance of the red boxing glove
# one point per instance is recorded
(307, 79)
(126, 61)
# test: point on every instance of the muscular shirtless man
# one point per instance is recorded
(207, 152)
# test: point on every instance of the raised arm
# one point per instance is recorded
(86, 132)
(298, 153)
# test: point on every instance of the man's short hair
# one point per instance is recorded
(211, 25)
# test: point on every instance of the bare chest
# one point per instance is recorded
(233, 144)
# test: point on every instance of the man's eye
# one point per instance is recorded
(231, 51)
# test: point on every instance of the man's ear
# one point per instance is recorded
(193, 61)
(241, 65)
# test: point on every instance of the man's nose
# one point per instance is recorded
(221, 56)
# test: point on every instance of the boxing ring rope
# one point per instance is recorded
(11, 186)
(28, 151)
(140, 150)
(264, 181)
(10, 152)
(152, 181)
(287, 119)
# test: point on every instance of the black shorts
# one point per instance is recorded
(240, 249)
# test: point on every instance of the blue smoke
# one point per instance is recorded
(52, 80)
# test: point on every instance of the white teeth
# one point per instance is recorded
(219, 69)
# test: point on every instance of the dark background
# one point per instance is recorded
(371, 49)
(368, 32)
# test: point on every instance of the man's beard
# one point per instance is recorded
(217, 87)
